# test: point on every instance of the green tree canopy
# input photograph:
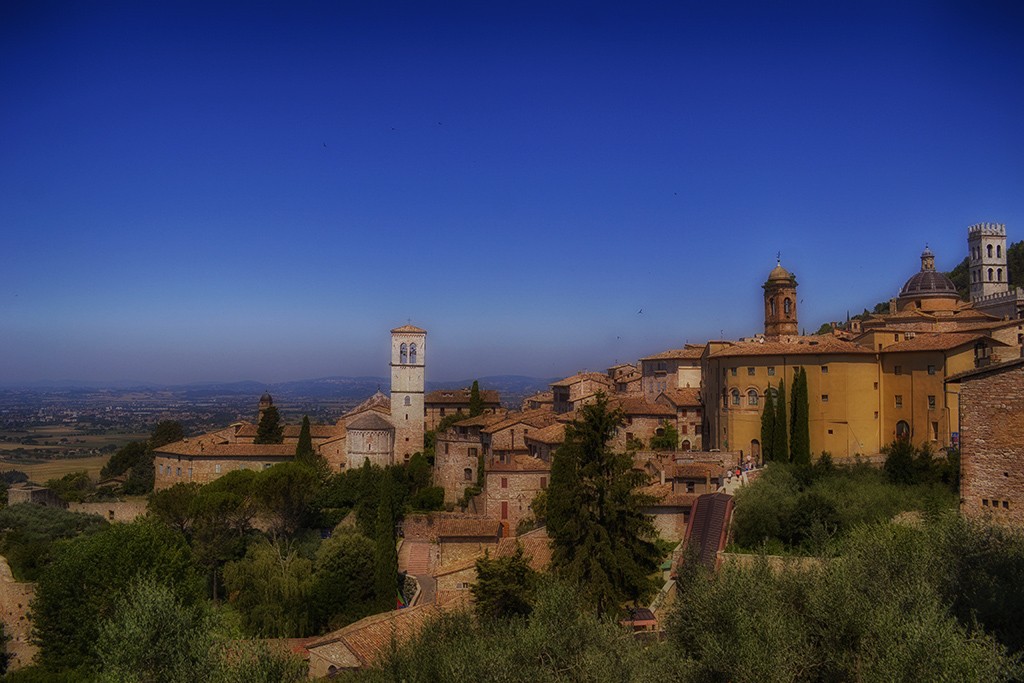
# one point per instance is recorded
(504, 586)
(165, 432)
(668, 440)
(476, 404)
(780, 440)
(343, 583)
(800, 439)
(271, 587)
(600, 537)
(304, 451)
(768, 425)
(386, 574)
(270, 429)
(88, 573)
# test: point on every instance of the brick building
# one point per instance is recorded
(582, 388)
(511, 486)
(991, 446)
(672, 369)
(457, 454)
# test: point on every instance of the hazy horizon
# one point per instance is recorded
(224, 191)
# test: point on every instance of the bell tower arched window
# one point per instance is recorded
(771, 306)
(412, 353)
(990, 251)
(787, 307)
(990, 275)
(403, 355)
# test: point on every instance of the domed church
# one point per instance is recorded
(869, 381)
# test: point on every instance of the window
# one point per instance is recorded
(467, 474)
(690, 487)
(446, 449)
(999, 274)
(787, 307)
(735, 397)
(876, 414)
(989, 250)
(876, 386)
(1006, 505)
(931, 369)
(403, 354)
(543, 483)
(830, 431)
(931, 403)
(266, 465)
(824, 369)
(984, 501)
(771, 307)
(771, 372)
(472, 452)
(177, 471)
(999, 251)
(412, 353)
(750, 371)
(897, 370)
(752, 397)
(216, 469)
(990, 275)
(899, 400)
(682, 413)
(407, 401)
(684, 429)
(504, 482)
(824, 398)
(895, 337)
(733, 371)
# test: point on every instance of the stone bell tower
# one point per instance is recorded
(780, 304)
(986, 244)
(408, 360)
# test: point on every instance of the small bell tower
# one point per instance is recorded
(780, 320)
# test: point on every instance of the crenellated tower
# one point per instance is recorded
(408, 360)
(986, 248)
(780, 319)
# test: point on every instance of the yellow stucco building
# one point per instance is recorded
(868, 383)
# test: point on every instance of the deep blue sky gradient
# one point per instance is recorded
(217, 191)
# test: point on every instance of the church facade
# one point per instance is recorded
(383, 429)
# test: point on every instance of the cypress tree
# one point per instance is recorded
(768, 426)
(476, 404)
(780, 442)
(800, 440)
(386, 574)
(304, 452)
(270, 429)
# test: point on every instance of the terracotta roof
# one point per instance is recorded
(468, 527)
(460, 566)
(552, 434)
(542, 396)
(450, 599)
(664, 495)
(536, 548)
(583, 377)
(809, 345)
(370, 638)
(520, 463)
(939, 342)
(637, 405)
(696, 470)
(316, 431)
(461, 396)
(481, 420)
(211, 449)
(409, 328)
(688, 352)
(379, 400)
(684, 398)
(533, 418)
(368, 420)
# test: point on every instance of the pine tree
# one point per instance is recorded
(504, 586)
(799, 435)
(780, 442)
(476, 403)
(386, 575)
(601, 539)
(304, 452)
(270, 429)
(768, 426)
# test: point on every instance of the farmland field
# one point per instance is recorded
(40, 471)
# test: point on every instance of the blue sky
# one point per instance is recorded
(217, 191)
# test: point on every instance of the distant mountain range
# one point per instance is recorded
(322, 388)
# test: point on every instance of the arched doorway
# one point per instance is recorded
(685, 446)
(755, 450)
(902, 430)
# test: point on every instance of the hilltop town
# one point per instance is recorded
(452, 484)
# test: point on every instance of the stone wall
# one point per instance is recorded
(511, 503)
(453, 455)
(113, 511)
(992, 450)
(173, 469)
(14, 601)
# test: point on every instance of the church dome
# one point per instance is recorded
(265, 398)
(928, 283)
(779, 273)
